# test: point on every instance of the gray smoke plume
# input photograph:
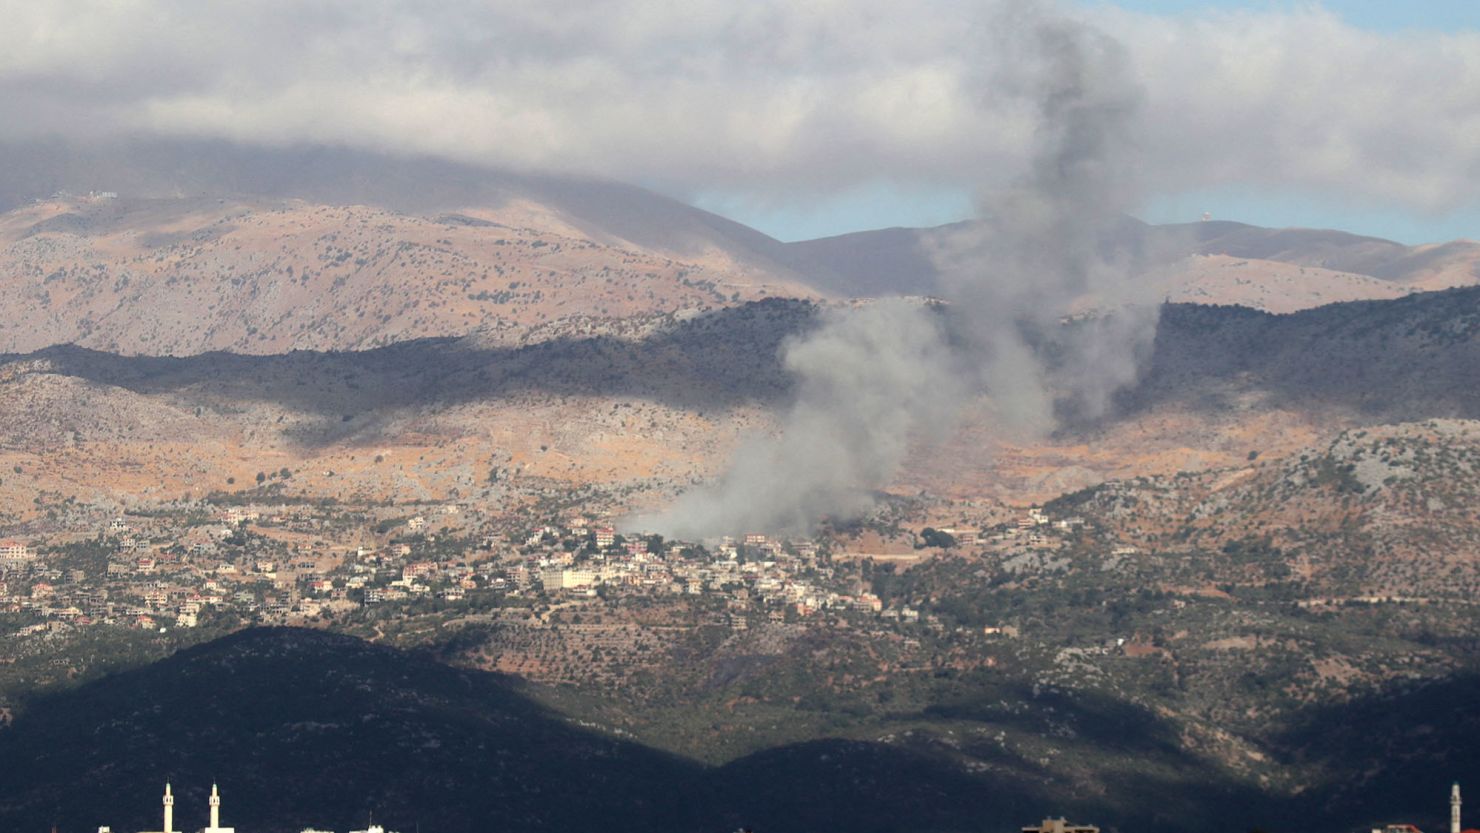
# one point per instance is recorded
(873, 379)
(868, 380)
(1056, 239)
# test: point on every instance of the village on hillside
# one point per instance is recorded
(306, 565)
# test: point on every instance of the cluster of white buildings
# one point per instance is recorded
(754, 568)
(165, 573)
(14, 555)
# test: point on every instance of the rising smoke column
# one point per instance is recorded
(867, 381)
(1057, 238)
(871, 380)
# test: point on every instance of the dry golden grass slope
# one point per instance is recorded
(185, 276)
(1273, 286)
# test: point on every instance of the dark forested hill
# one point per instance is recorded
(302, 727)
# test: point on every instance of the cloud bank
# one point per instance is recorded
(775, 99)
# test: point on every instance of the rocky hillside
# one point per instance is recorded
(657, 401)
(608, 212)
(1377, 513)
(183, 276)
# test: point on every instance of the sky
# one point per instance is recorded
(1274, 207)
(802, 119)
(881, 204)
(1376, 15)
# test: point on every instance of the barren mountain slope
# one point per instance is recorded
(1276, 270)
(649, 413)
(1430, 266)
(1270, 285)
(607, 212)
(427, 419)
(185, 276)
(620, 249)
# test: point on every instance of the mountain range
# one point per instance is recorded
(212, 247)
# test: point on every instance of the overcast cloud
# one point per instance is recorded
(776, 99)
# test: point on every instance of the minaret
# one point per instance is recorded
(169, 809)
(1454, 808)
(215, 808)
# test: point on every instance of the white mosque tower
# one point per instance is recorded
(216, 814)
(1454, 808)
(169, 810)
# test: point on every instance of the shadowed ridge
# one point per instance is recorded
(1390, 755)
(718, 359)
(1410, 358)
(303, 727)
